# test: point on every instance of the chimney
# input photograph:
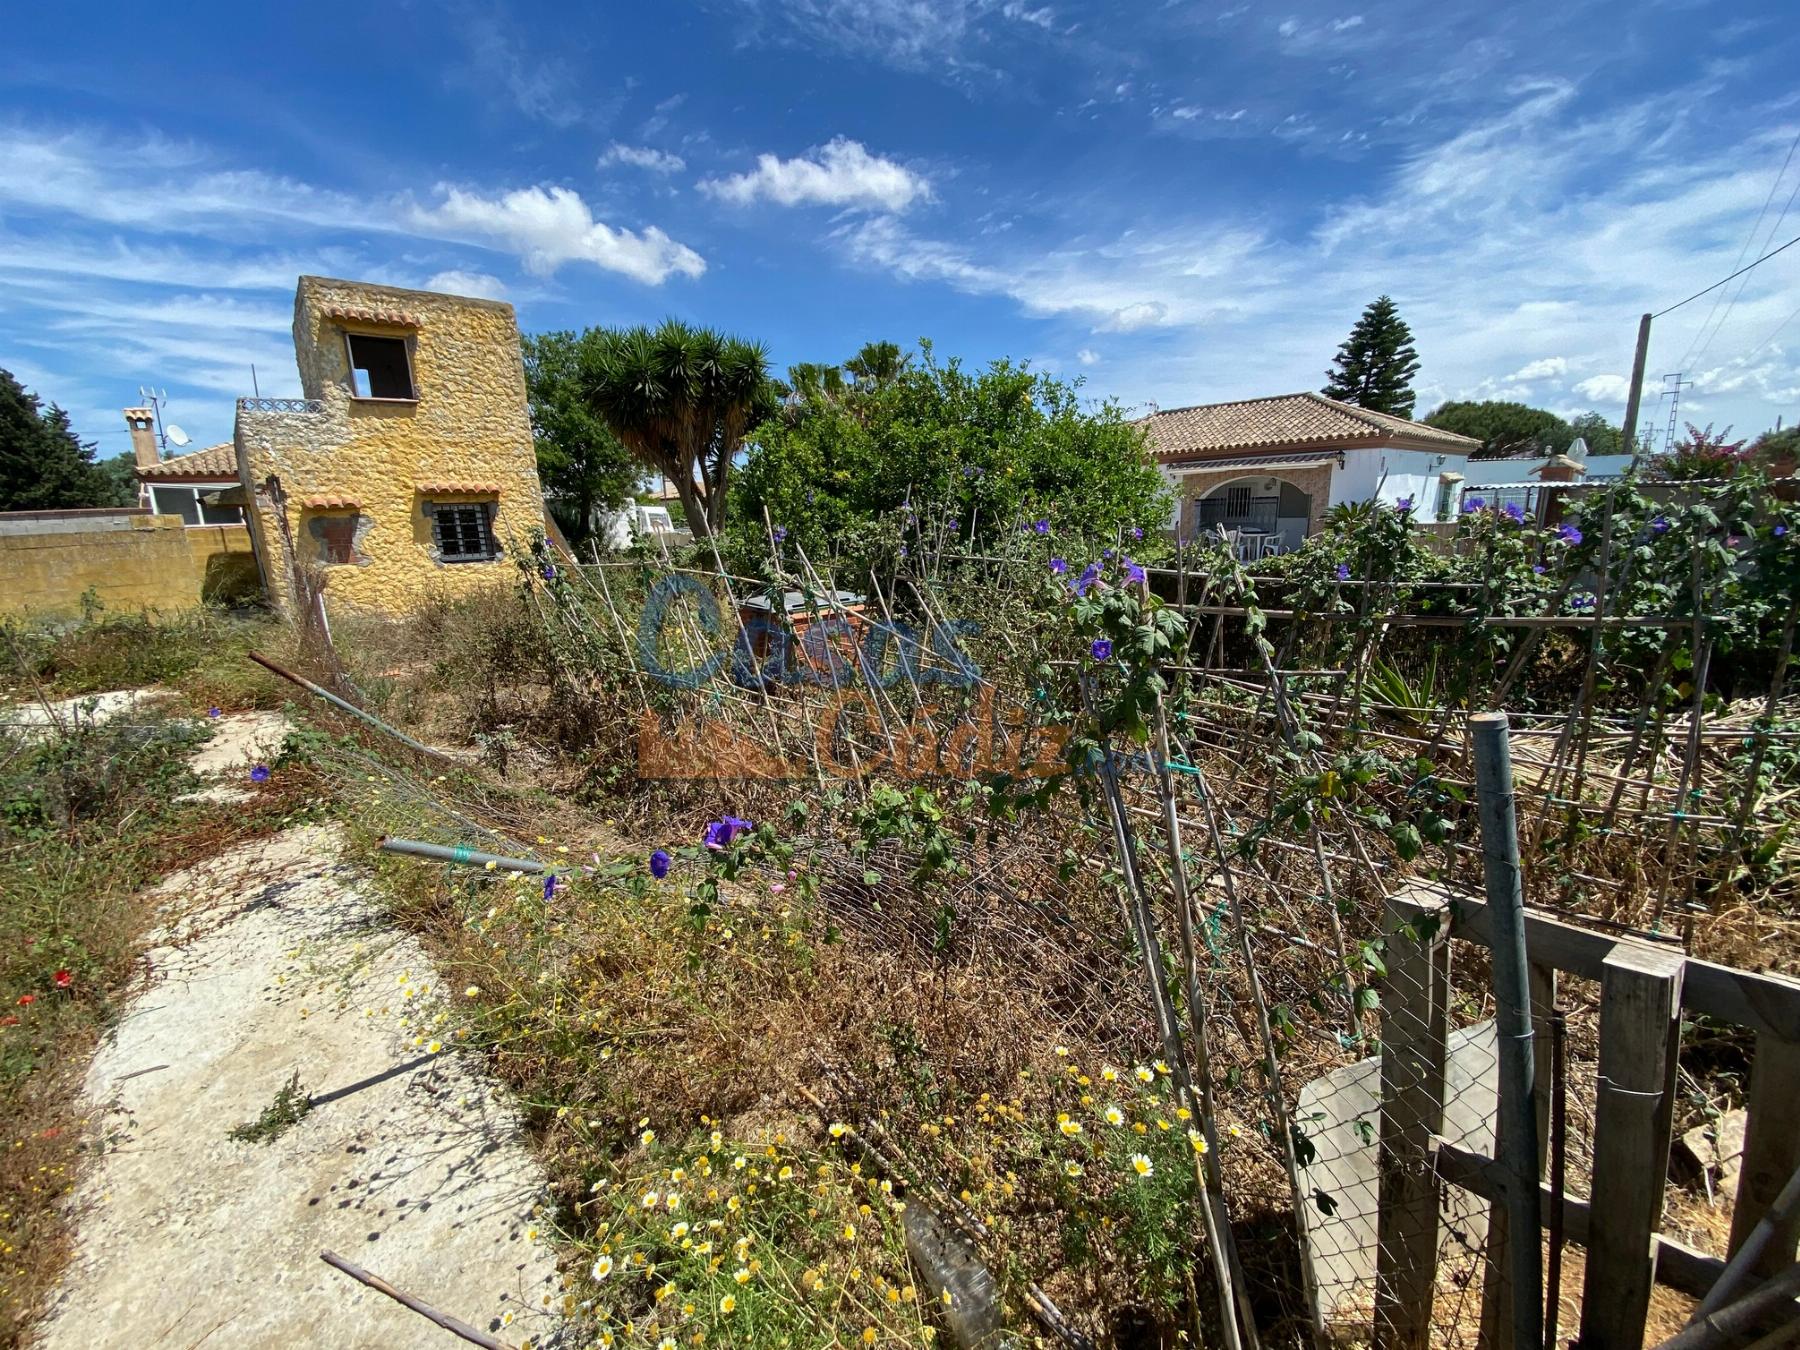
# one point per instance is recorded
(142, 422)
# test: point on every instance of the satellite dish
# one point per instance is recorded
(176, 434)
(1577, 448)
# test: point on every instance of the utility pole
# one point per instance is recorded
(1637, 389)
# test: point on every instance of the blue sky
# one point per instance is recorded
(1178, 202)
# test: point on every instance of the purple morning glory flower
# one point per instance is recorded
(1513, 512)
(720, 833)
(1538, 568)
(549, 570)
(1568, 534)
(1041, 526)
(1101, 649)
(1473, 505)
(1106, 553)
(1583, 601)
(1058, 566)
(1085, 582)
(780, 533)
(659, 864)
(1134, 572)
(1660, 525)
(1780, 532)
(259, 774)
(212, 712)
(1404, 505)
(1343, 571)
(1137, 532)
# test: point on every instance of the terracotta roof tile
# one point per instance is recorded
(216, 461)
(1286, 421)
(392, 318)
(461, 489)
(331, 503)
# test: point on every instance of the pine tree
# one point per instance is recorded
(1374, 367)
(44, 465)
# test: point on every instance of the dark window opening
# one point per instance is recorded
(462, 533)
(379, 367)
(1236, 509)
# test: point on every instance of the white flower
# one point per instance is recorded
(603, 1267)
(1114, 1116)
(1141, 1164)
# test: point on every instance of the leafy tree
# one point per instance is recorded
(680, 399)
(811, 381)
(44, 465)
(584, 466)
(1602, 437)
(1504, 429)
(988, 451)
(1374, 366)
(120, 473)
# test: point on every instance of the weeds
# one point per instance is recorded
(291, 1105)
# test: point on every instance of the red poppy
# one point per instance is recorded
(62, 979)
(10, 1020)
(25, 999)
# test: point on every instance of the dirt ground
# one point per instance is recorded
(272, 960)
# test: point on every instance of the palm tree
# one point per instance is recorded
(681, 400)
(877, 365)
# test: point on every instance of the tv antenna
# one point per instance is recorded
(1674, 384)
(156, 398)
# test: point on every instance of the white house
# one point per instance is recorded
(1273, 467)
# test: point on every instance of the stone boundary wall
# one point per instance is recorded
(126, 560)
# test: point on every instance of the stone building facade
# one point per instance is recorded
(407, 471)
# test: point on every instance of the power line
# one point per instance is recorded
(1750, 242)
(1722, 280)
(1772, 336)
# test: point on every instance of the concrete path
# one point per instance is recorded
(274, 960)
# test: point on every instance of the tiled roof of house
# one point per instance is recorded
(460, 489)
(1286, 421)
(215, 462)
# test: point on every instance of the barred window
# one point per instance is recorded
(462, 532)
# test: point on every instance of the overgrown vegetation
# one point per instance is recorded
(290, 1106)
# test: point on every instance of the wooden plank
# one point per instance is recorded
(1640, 1026)
(1755, 999)
(1771, 1149)
(1496, 1282)
(1414, 1047)
(1678, 1265)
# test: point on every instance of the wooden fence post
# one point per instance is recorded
(1771, 1149)
(1414, 1048)
(1640, 1030)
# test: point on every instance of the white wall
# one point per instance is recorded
(1386, 474)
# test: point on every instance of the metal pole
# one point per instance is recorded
(459, 854)
(350, 708)
(1559, 1181)
(1518, 1145)
(1629, 434)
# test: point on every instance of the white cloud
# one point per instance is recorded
(1345, 24)
(478, 284)
(548, 227)
(1289, 27)
(1551, 223)
(1543, 368)
(1143, 314)
(642, 157)
(71, 176)
(1088, 356)
(841, 173)
(1043, 17)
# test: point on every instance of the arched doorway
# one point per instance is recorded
(1256, 504)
